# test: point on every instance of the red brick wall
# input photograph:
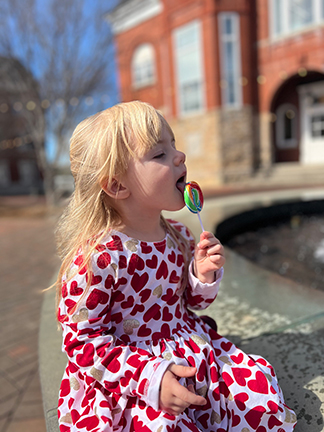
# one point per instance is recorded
(158, 31)
(148, 32)
(284, 58)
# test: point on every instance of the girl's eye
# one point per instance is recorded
(158, 156)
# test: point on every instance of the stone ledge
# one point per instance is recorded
(52, 360)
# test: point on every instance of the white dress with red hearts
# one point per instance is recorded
(127, 328)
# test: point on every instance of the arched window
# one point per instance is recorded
(286, 126)
(143, 66)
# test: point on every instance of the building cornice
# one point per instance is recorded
(131, 13)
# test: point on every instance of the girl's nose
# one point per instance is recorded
(180, 157)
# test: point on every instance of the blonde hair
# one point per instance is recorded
(100, 149)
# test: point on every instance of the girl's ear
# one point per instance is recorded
(115, 190)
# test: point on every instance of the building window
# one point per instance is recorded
(230, 59)
(317, 126)
(26, 171)
(286, 126)
(4, 173)
(189, 67)
(288, 16)
(143, 66)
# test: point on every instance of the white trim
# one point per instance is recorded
(311, 149)
(133, 13)
(235, 39)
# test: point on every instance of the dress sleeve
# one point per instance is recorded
(89, 341)
(200, 295)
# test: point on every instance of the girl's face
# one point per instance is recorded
(157, 179)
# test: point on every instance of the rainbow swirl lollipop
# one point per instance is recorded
(194, 199)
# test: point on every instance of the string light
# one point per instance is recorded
(261, 79)
(302, 72)
(243, 81)
(15, 142)
(89, 100)
(31, 105)
(74, 101)
(45, 104)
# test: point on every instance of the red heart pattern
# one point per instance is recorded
(132, 317)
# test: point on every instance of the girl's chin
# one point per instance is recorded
(179, 207)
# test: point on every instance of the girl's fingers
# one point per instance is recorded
(188, 398)
(182, 371)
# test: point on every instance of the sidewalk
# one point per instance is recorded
(27, 263)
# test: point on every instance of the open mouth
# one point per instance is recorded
(181, 182)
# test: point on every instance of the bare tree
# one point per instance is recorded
(67, 46)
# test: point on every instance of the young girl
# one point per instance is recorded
(139, 359)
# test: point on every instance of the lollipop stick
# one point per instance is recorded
(202, 227)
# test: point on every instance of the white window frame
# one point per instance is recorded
(287, 30)
(235, 39)
(195, 25)
(143, 59)
(282, 142)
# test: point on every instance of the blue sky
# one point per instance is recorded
(108, 98)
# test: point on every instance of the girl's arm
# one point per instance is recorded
(93, 349)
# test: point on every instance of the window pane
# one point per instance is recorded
(143, 65)
(317, 125)
(278, 17)
(189, 67)
(230, 59)
(186, 36)
(287, 128)
(300, 13)
(190, 94)
(231, 88)
(228, 26)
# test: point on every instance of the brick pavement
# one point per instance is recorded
(27, 263)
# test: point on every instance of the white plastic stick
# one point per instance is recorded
(202, 227)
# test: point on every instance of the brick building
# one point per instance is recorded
(19, 170)
(240, 81)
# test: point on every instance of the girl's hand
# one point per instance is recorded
(175, 398)
(209, 257)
